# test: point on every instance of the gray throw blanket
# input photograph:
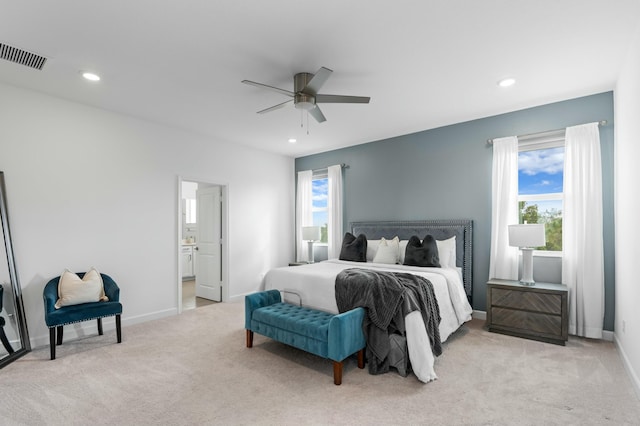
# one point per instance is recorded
(388, 297)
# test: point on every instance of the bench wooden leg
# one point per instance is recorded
(337, 373)
(249, 338)
(361, 358)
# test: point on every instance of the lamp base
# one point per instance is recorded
(310, 243)
(527, 267)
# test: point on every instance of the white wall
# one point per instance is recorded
(88, 187)
(627, 206)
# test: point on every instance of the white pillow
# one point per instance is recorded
(372, 248)
(447, 252)
(387, 251)
(402, 248)
(72, 290)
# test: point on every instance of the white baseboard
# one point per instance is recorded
(148, 317)
(481, 315)
(635, 381)
(240, 297)
(89, 328)
(607, 335)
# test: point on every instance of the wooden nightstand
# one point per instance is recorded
(538, 312)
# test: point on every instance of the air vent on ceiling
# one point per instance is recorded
(21, 57)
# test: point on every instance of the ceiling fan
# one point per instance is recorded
(305, 94)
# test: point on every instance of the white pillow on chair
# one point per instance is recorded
(73, 290)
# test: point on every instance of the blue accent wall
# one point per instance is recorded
(445, 173)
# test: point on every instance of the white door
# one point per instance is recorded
(208, 244)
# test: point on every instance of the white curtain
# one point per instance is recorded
(334, 207)
(304, 214)
(582, 238)
(503, 259)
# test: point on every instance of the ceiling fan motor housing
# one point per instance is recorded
(301, 80)
(303, 100)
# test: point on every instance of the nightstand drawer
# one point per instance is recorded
(527, 321)
(528, 300)
(538, 312)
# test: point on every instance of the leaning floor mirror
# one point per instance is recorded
(14, 336)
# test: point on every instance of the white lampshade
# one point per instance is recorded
(311, 233)
(527, 235)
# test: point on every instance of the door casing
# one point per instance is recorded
(224, 236)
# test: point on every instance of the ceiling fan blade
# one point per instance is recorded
(275, 107)
(340, 99)
(273, 89)
(316, 82)
(317, 114)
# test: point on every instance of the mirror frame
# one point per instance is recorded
(15, 283)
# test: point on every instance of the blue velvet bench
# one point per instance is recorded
(335, 337)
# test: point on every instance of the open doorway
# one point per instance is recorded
(202, 244)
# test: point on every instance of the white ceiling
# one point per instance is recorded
(425, 63)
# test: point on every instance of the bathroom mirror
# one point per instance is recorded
(14, 337)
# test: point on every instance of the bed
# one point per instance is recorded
(313, 285)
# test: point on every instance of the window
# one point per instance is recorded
(540, 187)
(190, 211)
(320, 190)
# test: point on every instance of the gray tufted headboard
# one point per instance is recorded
(440, 229)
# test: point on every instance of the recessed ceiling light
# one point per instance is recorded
(292, 140)
(506, 82)
(90, 76)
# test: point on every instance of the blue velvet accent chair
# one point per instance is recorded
(3, 336)
(57, 318)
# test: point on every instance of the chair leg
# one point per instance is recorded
(118, 329)
(249, 338)
(100, 326)
(337, 372)
(52, 342)
(59, 333)
(5, 341)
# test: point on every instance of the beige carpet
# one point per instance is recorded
(195, 369)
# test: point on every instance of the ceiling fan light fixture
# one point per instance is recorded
(305, 105)
(304, 101)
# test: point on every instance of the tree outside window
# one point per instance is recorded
(540, 192)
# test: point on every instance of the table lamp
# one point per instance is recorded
(527, 237)
(310, 234)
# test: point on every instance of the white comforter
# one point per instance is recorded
(315, 286)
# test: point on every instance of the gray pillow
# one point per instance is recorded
(354, 248)
(422, 254)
